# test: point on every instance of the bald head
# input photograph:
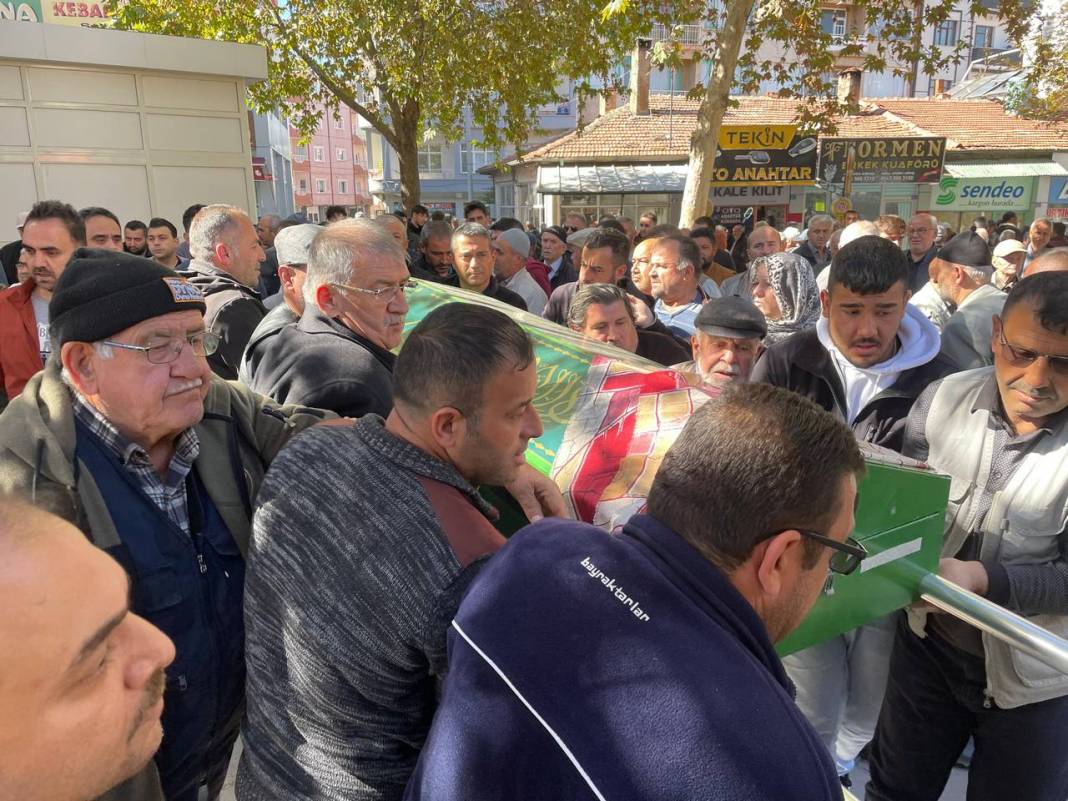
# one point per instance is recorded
(397, 228)
(81, 677)
(1055, 260)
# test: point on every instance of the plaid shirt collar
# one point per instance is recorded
(186, 446)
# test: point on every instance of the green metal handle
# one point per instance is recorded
(1010, 628)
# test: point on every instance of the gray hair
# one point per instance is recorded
(981, 275)
(470, 230)
(212, 225)
(591, 294)
(856, 230)
(435, 229)
(931, 217)
(820, 218)
(341, 247)
(1046, 220)
(103, 350)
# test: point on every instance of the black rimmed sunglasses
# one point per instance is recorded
(847, 555)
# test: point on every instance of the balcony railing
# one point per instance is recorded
(986, 52)
(683, 34)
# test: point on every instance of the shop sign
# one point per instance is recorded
(1058, 190)
(91, 12)
(913, 160)
(760, 195)
(21, 10)
(990, 194)
(765, 155)
(1057, 212)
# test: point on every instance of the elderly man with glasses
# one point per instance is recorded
(1001, 434)
(127, 434)
(337, 356)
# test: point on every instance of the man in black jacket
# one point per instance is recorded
(473, 257)
(226, 269)
(338, 355)
(871, 353)
(869, 357)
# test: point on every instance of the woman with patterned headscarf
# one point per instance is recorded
(784, 289)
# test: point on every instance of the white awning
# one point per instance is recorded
(611, 179)
(1005, 169)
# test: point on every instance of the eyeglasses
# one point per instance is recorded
(847, 555)
(385, 294)
(570, 228)
(1021, 357)
(204, 343)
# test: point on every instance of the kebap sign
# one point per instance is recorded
(992, 194)
(769, 155)
(913, 160)
(91, 12)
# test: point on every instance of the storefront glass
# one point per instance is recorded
(627, 205)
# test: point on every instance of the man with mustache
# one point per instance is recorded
(727, 342)
(473, 258)
(51, 233)
(606, 313)
(83, 674)
(1001, 434)
(338, 355)
(866, 361)
(128, 435)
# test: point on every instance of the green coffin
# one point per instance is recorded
(609, 417)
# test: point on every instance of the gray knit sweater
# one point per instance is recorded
(353, 578)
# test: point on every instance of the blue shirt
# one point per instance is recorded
(679, 320)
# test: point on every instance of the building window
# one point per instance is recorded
(339, 153)
(303, 185)
(339, 125)
(833, 23)
(946, 33)
(482, 157)
(430, 158)
(938, 85)
(320, 185)
(318, 153)
(355, 157)
(302, 152)
(342, 186)
(984, 36)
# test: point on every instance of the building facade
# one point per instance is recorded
(330, 169)
(272, 164)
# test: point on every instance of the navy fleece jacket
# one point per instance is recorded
(589, 666)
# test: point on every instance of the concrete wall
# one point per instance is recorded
(143, 125)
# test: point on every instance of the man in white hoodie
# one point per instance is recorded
(869, 357)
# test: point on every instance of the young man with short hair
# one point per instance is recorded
(163, 243)
(102, 229)
(135, 239)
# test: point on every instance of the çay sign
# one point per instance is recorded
(914, 160)
(769, 155)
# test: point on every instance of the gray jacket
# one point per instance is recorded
(233, 312)
(966, 337)
(1024, 532)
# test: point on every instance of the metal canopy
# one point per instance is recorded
(604, 179)
(1005, 169)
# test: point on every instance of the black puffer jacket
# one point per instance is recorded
(234, 310)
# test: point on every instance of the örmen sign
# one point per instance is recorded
(769, 155)
(916, 160)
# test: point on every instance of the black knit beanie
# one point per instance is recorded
(102, 292)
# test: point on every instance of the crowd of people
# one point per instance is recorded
(234, 504)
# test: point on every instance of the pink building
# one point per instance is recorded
(331, 169)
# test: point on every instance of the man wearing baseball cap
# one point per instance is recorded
(291, 246)
(129, 435)
(1007, 260)
(962, 271)
(727, 341)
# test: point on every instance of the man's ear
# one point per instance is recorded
(695, 347)
(825, 302)
(326, 300)
(222, 254)
(775, 567)
(448, 427)
(285, 275)
(77, 359)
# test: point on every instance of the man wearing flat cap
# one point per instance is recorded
(727, 342)
(127, 434)
(291, 246)
(555, 254)
(962, 271)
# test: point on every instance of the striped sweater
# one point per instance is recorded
(362, 547)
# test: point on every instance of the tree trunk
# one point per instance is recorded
(406, 129)
(713, 105)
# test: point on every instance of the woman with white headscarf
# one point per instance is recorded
(784, 289)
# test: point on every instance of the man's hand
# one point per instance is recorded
(969, 576)
(537, 494)
(643, 315)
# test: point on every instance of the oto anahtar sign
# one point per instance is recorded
(914, 160)
(768, 155)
